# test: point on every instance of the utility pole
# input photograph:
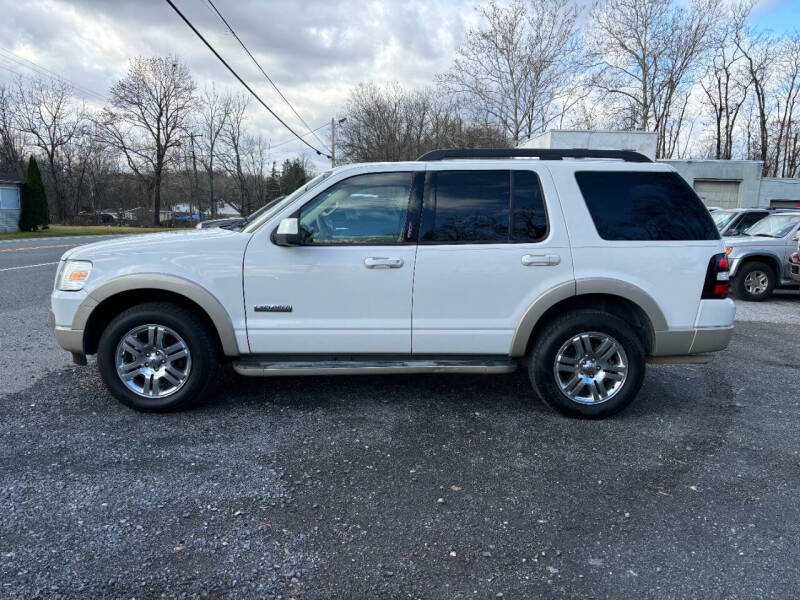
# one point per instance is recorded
(194, 169)
(333, 142)
(334, 122)
(196, 185)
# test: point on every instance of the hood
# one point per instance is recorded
(743, 241)
(191, 240)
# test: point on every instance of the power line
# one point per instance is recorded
(284, 142)
(235, 74)
(41, 70)
(253, 58)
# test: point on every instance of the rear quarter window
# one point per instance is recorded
(645, 205)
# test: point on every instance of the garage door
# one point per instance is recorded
(718, 192)
(784, 203)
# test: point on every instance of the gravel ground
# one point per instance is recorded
(782, 307)
(409, 487)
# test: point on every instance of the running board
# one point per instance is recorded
(271, 367)
(683, 359)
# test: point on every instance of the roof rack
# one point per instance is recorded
(541, 154)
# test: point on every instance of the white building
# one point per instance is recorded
(724, 183)
(643, 142)
(10, 204)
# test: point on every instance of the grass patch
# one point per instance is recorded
(64, 230)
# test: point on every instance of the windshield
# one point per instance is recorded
(722, 218)
(774, 226)
(277, 206)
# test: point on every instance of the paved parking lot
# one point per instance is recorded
(390, 487)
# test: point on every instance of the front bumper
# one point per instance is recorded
(69, 339)
(794, 271)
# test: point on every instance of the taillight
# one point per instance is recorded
(795, 258)
(718, 277)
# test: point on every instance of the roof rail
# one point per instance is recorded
(542, 154)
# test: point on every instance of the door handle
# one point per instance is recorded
(381, 262)
(540, 260)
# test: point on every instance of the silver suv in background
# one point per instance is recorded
(759, 258)
(734, 221)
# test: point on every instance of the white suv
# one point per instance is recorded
(580, 266)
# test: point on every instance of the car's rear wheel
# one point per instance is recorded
(754, 282)
(157, 356)
(587, 364)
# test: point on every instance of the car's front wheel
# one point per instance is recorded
(754, 282)
(157, 356)
(588, 364)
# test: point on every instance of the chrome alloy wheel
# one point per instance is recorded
(591, 367)
(756, 283)
(153, 361)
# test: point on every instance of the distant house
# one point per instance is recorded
(10, 203)
(223, 210)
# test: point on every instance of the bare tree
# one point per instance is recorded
(233, 140)
(148, 110)
(394, 123)
(12, 141)
(759, 50)
(647, 52)
(516, 69)
(784, 146)
(213, 116)
(726, 83)
(47, 113)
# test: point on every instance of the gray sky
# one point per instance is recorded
(315, 50)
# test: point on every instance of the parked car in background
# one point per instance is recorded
(794, 265)
(465, 261)
(733, 221)
(759, 258)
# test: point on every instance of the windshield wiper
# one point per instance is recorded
(762, 235)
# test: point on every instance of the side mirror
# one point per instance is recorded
(287, 233)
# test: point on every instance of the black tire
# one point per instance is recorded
(199, 339)
(562, 330)
(740, 289)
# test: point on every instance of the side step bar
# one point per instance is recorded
(268, 367)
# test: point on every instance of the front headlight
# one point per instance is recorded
(73, 275)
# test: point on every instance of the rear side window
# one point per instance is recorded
(645, 205)
(485, 207)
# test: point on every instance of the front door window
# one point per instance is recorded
(365, 209)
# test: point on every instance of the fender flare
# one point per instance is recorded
(170, 283)
(580, 287)
(771, 257)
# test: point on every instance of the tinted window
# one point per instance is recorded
(529, 217)
(629, 205)
(471, 206)
(365, 209)
(748, 219)
(478, 207)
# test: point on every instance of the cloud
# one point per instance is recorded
(315, 50)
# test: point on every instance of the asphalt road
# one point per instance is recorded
(400, 487)
(27, 270)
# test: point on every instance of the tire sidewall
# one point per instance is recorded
(542, 361)
(204, 360)
(748, 268)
